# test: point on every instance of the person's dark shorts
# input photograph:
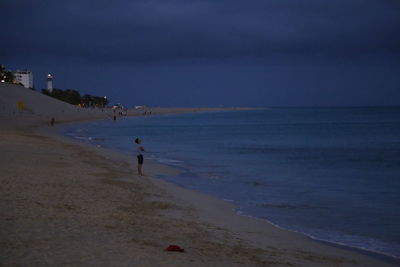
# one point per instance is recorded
(140, 159)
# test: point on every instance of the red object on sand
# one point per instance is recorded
(174, 248)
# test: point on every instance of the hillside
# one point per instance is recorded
(38, 108)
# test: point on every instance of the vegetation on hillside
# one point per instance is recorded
(73, 97)
(6, 75)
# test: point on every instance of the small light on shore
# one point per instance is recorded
(3, 81)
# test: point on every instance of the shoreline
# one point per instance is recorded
(373, 254)
(64, 202)
(252, 241)
(370, 253)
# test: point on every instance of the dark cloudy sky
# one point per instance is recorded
(210, 53)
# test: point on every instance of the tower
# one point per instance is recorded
(49, 82)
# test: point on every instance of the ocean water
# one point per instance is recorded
(330, 173)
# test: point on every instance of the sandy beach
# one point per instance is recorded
(66, 203)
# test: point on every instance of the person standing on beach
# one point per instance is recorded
(139, 149)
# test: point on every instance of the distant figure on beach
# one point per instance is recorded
(139, 149)
(52, 121)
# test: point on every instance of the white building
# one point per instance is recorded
(49, 82)
(24, 77)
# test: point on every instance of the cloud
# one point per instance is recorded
(154, 31)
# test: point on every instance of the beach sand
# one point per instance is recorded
(66, 203)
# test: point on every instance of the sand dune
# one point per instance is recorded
(39, 108)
